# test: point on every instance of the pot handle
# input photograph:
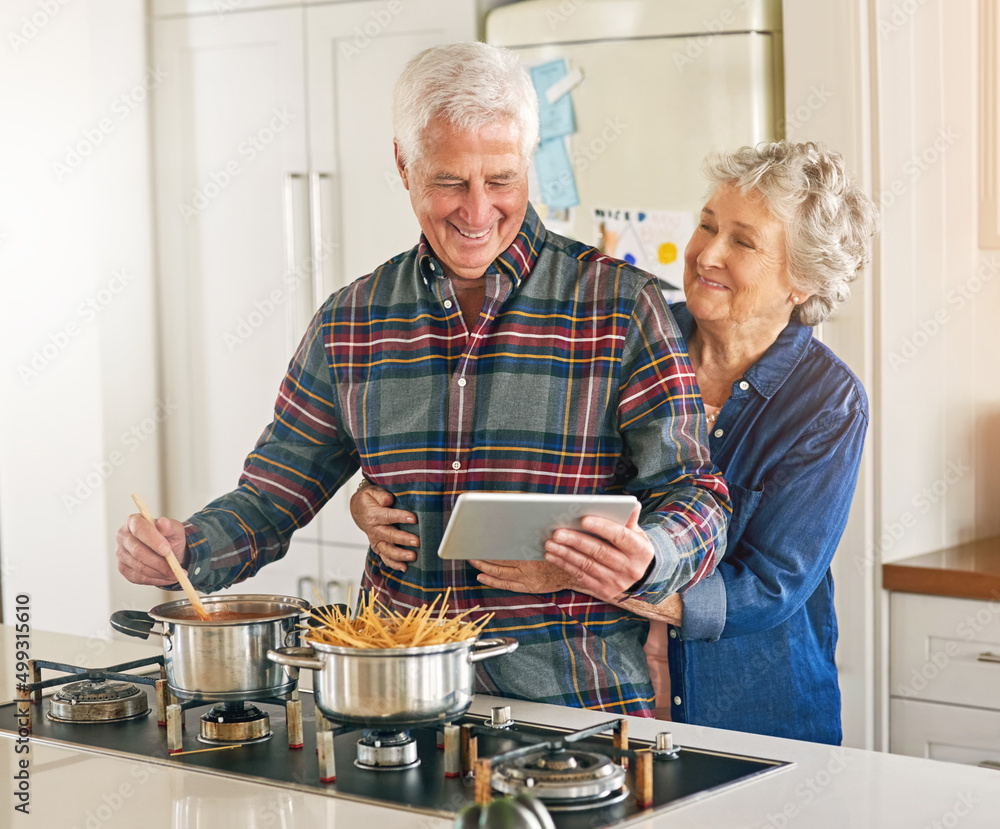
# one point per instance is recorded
(307, 617)
(485, 648)
(296, 658)
(136, 623)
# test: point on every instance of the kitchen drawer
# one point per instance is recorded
(940, 650)
(950, 733)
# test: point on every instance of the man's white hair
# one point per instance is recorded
(469, 85)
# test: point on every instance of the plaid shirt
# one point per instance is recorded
(575, 379)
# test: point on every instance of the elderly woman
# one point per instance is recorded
(750, 648)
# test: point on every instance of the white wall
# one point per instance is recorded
(939, 304)
(78, 426)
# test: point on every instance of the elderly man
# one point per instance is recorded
(492, 356)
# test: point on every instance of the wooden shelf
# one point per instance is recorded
(966, 571)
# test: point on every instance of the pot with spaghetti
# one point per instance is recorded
(381, 669)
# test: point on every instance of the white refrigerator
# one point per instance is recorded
(651, 87)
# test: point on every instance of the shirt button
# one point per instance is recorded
(462, 382)
(456, 465)
(197, 570)
(718, 433)
(447, 303)
(744, 385)
(677, 700)
(673, 633)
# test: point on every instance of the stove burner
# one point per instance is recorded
(95, 701)
(234, 722)
(563, 778)
(387, 751)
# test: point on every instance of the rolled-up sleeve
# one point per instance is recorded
(684, 497)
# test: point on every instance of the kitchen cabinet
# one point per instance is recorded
(944, 674)
(275, 185)
(944, 654)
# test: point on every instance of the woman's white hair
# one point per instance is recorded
(469, 85)
(830, 222)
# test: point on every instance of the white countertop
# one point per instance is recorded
(827, 788)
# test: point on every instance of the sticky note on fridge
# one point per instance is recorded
(556, 118)
(554, 171)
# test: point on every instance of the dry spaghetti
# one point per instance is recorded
(376, 626)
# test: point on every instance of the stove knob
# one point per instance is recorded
(500, 717)
(663, 747)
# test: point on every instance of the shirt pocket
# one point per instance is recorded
(745, 503)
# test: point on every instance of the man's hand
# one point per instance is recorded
(143, 547)
(370, 509)
(607, 559)
(524, 576)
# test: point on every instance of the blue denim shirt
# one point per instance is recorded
(755, 651)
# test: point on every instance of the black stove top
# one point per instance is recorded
(422, 787)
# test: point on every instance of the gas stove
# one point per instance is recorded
(596, 777)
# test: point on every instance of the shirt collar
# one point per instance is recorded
(774, 366)
(517, 261)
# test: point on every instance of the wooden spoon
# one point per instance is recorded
(175, 565)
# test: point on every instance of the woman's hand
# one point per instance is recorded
(524, 576)
(606, 560)
(370, 509)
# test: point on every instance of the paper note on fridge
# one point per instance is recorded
(653, 240)
(556, 118)
(554, 171)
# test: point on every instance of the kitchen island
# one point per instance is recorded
(824, 787)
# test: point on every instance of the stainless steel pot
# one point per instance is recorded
(392, 687)
(222, 659)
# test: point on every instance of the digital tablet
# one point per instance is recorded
(515, 526)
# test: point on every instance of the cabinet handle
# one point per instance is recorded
(988, 657)
(303, 583)
(316, 237)
(990, 764)
(344, 586)
(293, 324)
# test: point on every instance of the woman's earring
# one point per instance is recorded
(795, 300)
